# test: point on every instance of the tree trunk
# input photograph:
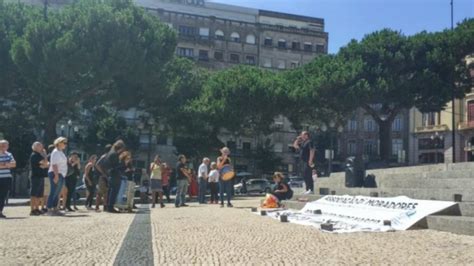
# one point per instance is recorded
(385, 137)
(50, 131)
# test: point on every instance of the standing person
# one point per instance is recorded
(7, 162)
(165, 175)
(90, 181)
(47, 184)
(182, 178)
(74, 171)
(214, 183)
(57, 171)
(126, 171)
(156, 181)
(305, 146)
(112, 166)
(202, 180)
(39, 169)
(225, 186)
(101, 176)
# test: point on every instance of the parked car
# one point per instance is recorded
(296, 181)
(252, 186)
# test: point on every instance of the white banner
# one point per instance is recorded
(358, 213)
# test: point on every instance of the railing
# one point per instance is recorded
(432, 128)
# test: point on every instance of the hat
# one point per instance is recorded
(60, 140)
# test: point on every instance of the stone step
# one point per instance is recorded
(460, 209)
(454, 224)
(451, 183)
(415, 193)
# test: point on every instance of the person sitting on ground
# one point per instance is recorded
(281, 190)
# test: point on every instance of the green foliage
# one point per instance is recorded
(242, 99)
(105, 126)
(267, 161)
(88, 49)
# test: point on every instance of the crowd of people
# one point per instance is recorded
(54, 176)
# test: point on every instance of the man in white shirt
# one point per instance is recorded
(7, 162)
(203, 174)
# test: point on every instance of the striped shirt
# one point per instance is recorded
(6, 158)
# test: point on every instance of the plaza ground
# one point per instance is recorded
(208, 234)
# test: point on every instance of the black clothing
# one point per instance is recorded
(308, 177)
(305, 149)
(73, 173)
(36, 170)
(282, 195)
(179, 174)
(5, 184)
(214, 191)
(37, 187)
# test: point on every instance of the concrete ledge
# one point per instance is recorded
(454, 224)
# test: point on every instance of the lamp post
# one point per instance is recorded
(147, 123)
(453, 124)
(436, 138)
(332, 129)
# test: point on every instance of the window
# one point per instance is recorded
(278, 147)
(370, 148)
(267, 62)
(308, 47)
(250, 60)
(294, 64)
(219, 56)
(231, 145)
(320, 48)
(246, 146)
(250, 39)
(187, 31)
(235, 37)
(295, 45)
(429, 119)
(282, 44)
(281, 64)
(203, 55)
(470, 111)
(351, 147)
(186, 52)
(204, 33)
(219, 35)
(352, 125)
(397, 146)
(369, 124)
(268, 41)
(397, 124)
(234, 58)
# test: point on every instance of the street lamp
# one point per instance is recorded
(332, 131)
(147, 123)
(436, 138)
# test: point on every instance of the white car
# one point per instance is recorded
(254, 185)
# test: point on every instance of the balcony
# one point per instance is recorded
(432, 128)
(466, 125)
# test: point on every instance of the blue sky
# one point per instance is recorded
(352, 19)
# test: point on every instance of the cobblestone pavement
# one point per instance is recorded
(208, 234)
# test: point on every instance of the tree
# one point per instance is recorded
(400, 72)
(267, 161)
(88, 50)
(242, 99)
(105, 126)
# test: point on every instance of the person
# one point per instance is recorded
(225, 186)
(112, 166)
(39, 169)
(192, 184)
(47, 185)
(90, 181)
(57, 171)
(281, 190)
(214, 183)
(7, 162)
(126, 171)
(144, 191)
(202, 180)
(101, 176)
(165, 176)
(305, 146)
(74, 171)
(182, 178)
(156, 183)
